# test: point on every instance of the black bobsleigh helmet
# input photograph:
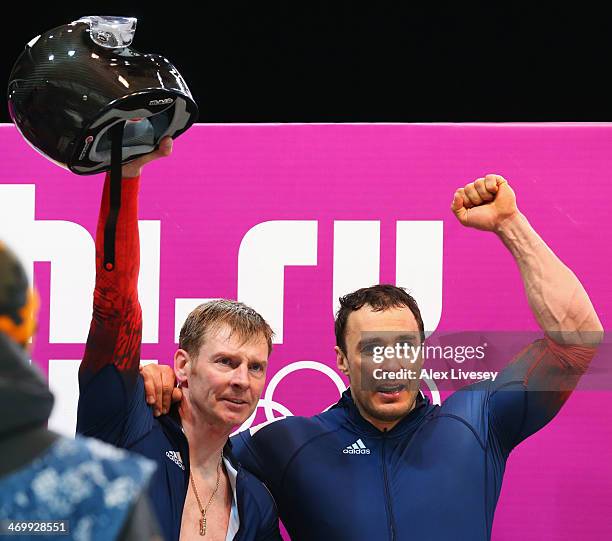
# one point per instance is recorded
(72, 85)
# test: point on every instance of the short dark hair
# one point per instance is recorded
(379, 297)
(242, 319)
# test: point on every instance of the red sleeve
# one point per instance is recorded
(116, 328)
(532, 389)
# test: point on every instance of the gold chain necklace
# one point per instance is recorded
(205, 509)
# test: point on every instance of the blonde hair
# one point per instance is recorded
(209, 316)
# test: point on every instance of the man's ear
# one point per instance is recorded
(341, 361)
(182, 367)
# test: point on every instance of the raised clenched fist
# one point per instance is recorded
(485, 203)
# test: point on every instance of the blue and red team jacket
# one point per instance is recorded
(436, 475)
(112, 403)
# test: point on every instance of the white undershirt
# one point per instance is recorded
(234, 520)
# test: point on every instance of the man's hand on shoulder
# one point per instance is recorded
(134, 168)
(485, 203)
(160, 390)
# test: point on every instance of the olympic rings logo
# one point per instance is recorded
(270, 405)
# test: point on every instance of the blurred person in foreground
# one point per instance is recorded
(44, 477)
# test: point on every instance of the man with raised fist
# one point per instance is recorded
(413, 470)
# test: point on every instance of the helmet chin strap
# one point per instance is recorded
(110, 227)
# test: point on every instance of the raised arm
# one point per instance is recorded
(557, 299)
(540, 379)
(109, 369)
(116, 326)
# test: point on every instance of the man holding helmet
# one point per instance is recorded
(85, 99)
(199, 490)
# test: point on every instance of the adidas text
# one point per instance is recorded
(175, 457)
(357, 448)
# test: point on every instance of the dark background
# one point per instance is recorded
(378, 62)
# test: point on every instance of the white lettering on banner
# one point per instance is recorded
(64, 384)
(264, 253)
(148, 279)
(71, 250)
(356, 257)
(418, 254)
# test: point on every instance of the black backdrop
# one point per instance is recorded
(338, 61)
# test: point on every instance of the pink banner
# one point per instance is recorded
(286, 217)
